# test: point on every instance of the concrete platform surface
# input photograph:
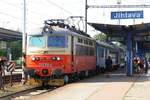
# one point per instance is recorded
(140, 90)
(117, 87)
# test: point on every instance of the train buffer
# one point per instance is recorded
(54, 82)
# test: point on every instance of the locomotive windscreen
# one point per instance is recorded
(57, 41)
(37, 41)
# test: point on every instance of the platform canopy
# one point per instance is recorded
(140, 32)
(9, 35)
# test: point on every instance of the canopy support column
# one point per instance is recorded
(129, 54)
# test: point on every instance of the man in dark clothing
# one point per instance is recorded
(146, 66)
(2, 59)
(108, 64)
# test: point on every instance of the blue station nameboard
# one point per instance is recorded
(127, 14)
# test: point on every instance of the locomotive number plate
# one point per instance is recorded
(44, 64)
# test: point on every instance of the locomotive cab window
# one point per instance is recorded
(57, 41)
(37, 41)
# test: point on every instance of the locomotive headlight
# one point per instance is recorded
(33, 58)
(46, 29)
(58, 58)
(54, 58)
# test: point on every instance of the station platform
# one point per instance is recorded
(100, 87)
(136, 87)
(117, 87)
(140, 90)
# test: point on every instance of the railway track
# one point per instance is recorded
(28, 93)
(11, 93)
(25, 94)
(15, 78)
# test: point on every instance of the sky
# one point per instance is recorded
(11, 12)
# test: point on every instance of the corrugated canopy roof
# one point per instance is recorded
(140, 32)
(121, 30)
(9, 35)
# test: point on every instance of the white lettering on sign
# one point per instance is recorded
(127, 15)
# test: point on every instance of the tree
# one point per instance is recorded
(2, 52)
(16, 49)
(100, 37)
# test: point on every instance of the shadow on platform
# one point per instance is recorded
(117, 76)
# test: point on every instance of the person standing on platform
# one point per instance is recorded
(146, 66)
(1, 80)
(108, 63)
(2, 59)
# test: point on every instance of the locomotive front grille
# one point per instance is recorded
(45, 71)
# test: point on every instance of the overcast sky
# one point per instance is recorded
(11, 11)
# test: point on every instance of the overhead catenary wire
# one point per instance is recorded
(19, 18)
(31, 11)
(6, 14)
(11, 4)
(47, 3)
(16, 18)
(35, 12)
(137, 1)
(19, 7)
(58, 6)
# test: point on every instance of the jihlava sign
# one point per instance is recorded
(127, 14)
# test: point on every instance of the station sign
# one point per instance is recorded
(127, 14)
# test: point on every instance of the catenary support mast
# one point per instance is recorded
(23, 41)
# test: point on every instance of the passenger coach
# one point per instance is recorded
(103, 50)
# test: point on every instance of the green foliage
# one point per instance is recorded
(16, 49)
(3, 52)
(100, 37)
(147, 55)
